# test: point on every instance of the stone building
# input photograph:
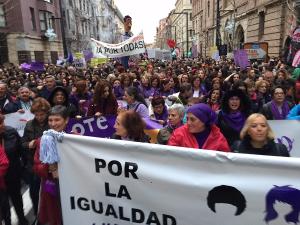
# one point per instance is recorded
(181, 18)
(162, 34)
(23, 25)
(86, 19)
(244, 21)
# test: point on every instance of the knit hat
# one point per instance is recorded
(204, 113)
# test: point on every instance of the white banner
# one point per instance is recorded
(18, 120)
(109, 182)
(132, 46)
(287, 132)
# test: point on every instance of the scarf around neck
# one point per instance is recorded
(276, 113)
(235, 120)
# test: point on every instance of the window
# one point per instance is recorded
(261, 27)
(191, 16)
(39, 56)
(24, 56)
(71, 3)
(46, 20)
(80, 4)
(2, 16)
(33, 23)
(208, 8)
(54, 57)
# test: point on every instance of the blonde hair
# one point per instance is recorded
(250, 119)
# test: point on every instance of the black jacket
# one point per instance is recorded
(32, 131)
(270, 149)
(14, 152)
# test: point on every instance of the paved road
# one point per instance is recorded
(27, 209)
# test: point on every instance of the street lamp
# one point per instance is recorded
(187, 28)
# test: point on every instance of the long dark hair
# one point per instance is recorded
(99, 90)
(134, 92)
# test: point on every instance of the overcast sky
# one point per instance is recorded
(145, 14)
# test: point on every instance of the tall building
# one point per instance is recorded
(86, 19)
(244, 21)
(23, 26)
(161, 34)
(181, 18)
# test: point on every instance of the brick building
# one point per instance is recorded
(23, 24)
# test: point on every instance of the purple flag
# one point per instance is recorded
(87, 55)
(241, 59)
(37, 66)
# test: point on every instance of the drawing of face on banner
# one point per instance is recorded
(231, 199)
(276, 212)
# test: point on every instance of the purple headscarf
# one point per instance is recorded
(204, 113)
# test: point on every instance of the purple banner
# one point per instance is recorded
(104, 127)
(93, 126)
(241, 59)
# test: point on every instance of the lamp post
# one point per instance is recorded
(187, 28)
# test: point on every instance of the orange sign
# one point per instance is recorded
(256, 50)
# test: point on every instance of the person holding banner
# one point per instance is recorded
(32, 132)
(104, 101)
(257, 138)
(49, 204)
(130, 127)
(200, 132)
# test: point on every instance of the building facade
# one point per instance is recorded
(86, 19)
(162, 34)
(181, 18)
(177, 26)
(244, 21)
(23, 25)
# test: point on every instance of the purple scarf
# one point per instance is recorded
(235, 120)
(201, 137)
(163, 116)
(276, 114)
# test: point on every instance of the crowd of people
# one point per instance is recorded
(201, 104)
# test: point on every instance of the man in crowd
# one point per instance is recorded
(50, 85)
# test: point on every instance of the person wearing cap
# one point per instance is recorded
(60, 96)
(200, 130)
(235, 108)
